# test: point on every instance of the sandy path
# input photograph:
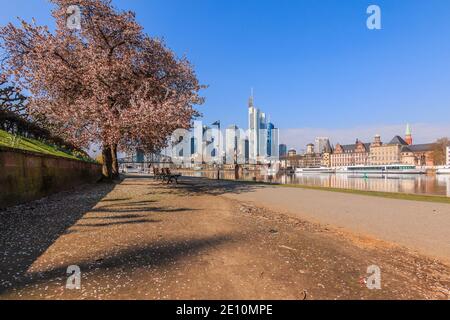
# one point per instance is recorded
(145, 240)
(421, 226)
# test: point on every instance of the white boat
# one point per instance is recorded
(383, 169)
(314, 170)
(443, 170)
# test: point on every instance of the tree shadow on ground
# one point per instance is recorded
(117, 217)
(192, 186)
(163, 253)
(27, 231)
(115, 200)
(201, 186)
(141, 209)
(132, 203)
(117, 223)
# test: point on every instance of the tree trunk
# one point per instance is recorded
(107, 163)
(115, 162)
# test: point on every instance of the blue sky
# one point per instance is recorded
(312, 63)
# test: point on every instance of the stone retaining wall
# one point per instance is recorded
(27, 176)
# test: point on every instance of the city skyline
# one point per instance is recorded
(300, 137)
(246, 144)
(317, 169)
(318, 68)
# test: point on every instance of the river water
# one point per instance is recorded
(415, 184)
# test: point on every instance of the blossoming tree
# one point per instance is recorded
(106, 82)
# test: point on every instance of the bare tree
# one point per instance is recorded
(439, 152)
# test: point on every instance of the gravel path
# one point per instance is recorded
(421, 226)
(145, 240)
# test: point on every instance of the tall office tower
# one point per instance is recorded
(254, 125)
(193, 145)
(322, 144)
(258, 134)
(270, 139)
(140, 155)
(262, 120)
(282, 150)
(247, 151)
(232, 144)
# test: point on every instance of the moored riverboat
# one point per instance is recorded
(383, 169)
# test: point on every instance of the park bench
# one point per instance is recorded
(166, 176)
(169, 177)
(159, 175)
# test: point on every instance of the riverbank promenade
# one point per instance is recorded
(203, 239)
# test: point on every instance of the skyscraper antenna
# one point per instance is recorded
(251, 100)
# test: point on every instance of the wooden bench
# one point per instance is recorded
(170, 177)
(173, 178)
(166, 176)
(158, 174)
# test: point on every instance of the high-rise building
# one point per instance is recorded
(257, 132)
(270, 139)
(233, 150)
(247, 150)
(193, 145)
(253, 128)
(282, 150)
(310, 148)
(322, 144)
(262, 120)
(140, 156)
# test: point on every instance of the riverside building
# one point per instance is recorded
(350, 155)
(448, 156)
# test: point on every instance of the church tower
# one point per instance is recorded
(408, 136)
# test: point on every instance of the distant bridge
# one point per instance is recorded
(148, 159)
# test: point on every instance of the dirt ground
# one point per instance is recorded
(419, 225)
(142, 239)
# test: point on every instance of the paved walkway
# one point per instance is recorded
(145, 240)
(422, 226)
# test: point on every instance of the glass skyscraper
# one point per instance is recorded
(260, 134)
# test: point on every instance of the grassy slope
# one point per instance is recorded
(7, 140)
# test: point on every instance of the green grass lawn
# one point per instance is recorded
(27, 144)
